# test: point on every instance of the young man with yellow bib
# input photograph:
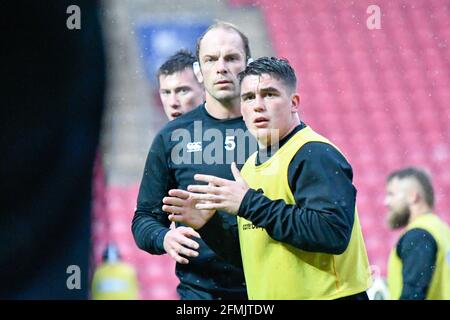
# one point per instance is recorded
(298, 226)
(419, 264)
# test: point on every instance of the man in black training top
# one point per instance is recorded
(203, 140)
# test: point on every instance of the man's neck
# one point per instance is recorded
(223, 110)
(418, 211)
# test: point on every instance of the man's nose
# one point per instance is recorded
(259, 104)
(221, 66)
(173, 101)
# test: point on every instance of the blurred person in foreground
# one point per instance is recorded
(298, 226)
(419, 264)
(179, 88)
(50, 121)
(202, 140)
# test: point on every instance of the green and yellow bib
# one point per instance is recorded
(277, 270)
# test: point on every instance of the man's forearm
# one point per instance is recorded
(306, 229)
(149, 230)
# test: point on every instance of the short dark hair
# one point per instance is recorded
(179, 61)
(226, 26)
(276, 67)
(421, 177)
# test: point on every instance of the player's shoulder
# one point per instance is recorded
(319, 149)
(415, 237)
(320, 155)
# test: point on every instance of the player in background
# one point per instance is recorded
(419, 264)
(179, 88)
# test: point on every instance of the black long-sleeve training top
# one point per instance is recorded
(193, 143)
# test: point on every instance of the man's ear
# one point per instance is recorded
(412, 191)
(197, 71)
(295, 102)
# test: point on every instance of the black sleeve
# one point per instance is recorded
(417, 249)
(321, 220)
(150, 224)
(221, 234)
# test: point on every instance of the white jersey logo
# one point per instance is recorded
(194, 146)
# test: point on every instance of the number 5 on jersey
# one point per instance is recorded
(229, 143)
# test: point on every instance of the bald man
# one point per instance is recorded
(419, 265)
(222, 52)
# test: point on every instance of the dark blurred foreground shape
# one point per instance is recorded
(51, 106)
